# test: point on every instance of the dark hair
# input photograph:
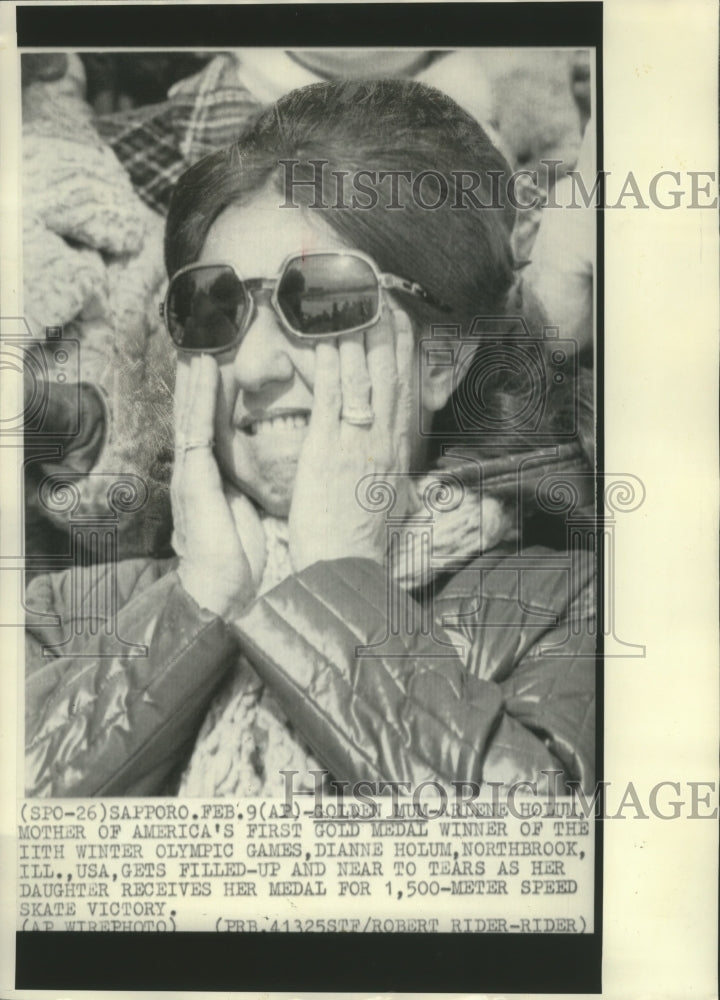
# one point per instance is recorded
(462, 256)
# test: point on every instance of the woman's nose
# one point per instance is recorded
(264, 354)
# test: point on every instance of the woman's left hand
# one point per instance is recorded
(370, 372)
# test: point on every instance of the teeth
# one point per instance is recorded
(286, 422)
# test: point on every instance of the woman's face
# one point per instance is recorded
(266, 386)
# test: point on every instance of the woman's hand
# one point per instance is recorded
(217, 533)
(356, 373)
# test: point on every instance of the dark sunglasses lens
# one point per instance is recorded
(328, 294)
(205, 308)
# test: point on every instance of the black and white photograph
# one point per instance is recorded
(316, 525)
(312, 505)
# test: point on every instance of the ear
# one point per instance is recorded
(436, 375)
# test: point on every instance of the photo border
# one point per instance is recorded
(329, 962)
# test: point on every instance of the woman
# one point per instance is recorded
(284, 629)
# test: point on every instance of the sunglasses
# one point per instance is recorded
(208, 307)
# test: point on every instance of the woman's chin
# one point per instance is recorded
(275, 484)
(271, 488)
(276, 504)
(265, 474)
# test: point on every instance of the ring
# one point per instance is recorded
(186, 446)
(358, 416)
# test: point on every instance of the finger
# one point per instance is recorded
(354, 377)
(195, 391)
(189, 400)
(327, 396)
(407, 398)
(198, 459)
(382, 369)
(404, 346)
(177, 494)
(182, 382)
(204, 377)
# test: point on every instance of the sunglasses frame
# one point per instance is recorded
(252, 286)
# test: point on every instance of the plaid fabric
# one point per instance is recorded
(156, 144)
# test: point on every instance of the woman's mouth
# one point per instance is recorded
(274, 422)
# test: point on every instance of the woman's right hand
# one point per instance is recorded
(217, 535)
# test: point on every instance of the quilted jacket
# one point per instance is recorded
(499, 687)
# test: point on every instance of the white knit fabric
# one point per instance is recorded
(93, 264)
